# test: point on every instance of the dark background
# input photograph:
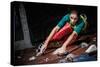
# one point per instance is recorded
(42, 17)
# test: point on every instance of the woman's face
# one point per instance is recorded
(73, 18)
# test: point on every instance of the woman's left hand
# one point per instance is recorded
(59, 51)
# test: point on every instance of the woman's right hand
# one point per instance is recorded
(43, 48)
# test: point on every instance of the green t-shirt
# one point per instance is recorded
(77, 27)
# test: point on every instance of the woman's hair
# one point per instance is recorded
(74, 12)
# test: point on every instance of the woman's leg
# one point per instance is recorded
(64, 31)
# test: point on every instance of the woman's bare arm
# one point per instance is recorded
(55, 29)
(71, 38)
